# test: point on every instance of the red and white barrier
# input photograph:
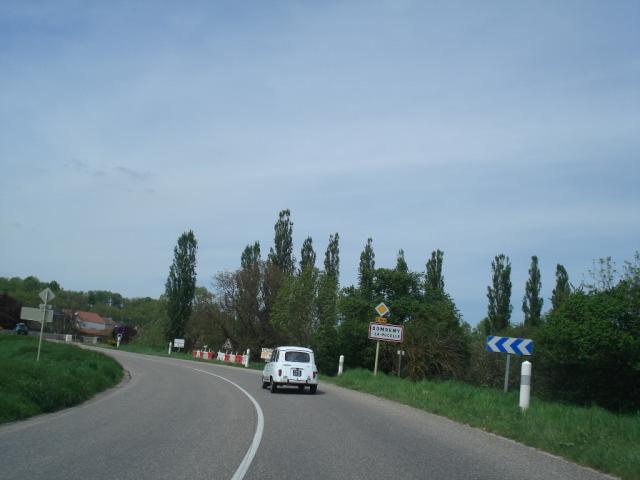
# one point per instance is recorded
(205, 355)
(234, 358)
(223, 357)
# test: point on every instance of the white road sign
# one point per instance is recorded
(386, 332)
(35, 314)
(178, 343)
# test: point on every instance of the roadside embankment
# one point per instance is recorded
(65, 376)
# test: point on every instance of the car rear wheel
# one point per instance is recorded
(264, 384)
(313, 388)
(274, 387)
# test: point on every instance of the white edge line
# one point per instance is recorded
(257, 437)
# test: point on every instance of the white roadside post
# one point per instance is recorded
(246, 362)
(525, 385)
(170, 345)
(340, 365)
(400, 355)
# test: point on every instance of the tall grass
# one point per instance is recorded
(590, 436)
(64, 376)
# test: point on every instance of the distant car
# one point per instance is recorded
(291, 367)
(21, 329)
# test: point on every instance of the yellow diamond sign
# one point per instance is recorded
(382, 309)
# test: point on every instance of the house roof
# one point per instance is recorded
(92, 317)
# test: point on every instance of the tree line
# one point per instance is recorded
(587, 345)
(591, 333)
(16, 292)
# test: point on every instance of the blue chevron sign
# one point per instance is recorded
(515, 346)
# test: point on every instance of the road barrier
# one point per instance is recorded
(234, 358)
(203, 354)
(223, 357)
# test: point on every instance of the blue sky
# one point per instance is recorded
(474, 127)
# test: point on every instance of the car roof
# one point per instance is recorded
(300, 349)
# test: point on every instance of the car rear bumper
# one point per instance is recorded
(292, 383)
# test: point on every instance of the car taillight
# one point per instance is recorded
(279, 372)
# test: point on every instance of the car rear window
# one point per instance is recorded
(301, 357)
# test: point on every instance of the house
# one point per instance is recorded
(92, 324)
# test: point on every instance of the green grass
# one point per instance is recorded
(64, 376)
(590, 436)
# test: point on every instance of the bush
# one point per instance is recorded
(589, 349)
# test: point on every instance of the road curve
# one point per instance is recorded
(179, 419)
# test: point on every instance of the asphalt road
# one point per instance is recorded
(178, 419)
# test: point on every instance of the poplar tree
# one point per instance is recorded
(250, 256)
(325, 342)
(307, 255)
(563, 287)
(532, 302)
(401, 263)
(367, 268)
(181, 284)
(280, 263)
(434, 280)
(281, 254)
(331, 257)
(293, 314)
(499, 294)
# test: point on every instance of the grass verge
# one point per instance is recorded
(65, 376)
(589, 436)
(163, 352)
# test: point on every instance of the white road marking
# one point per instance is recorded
(257, 437)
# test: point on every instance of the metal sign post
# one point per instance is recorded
(506, 373)
(375, 365)
(46, 295)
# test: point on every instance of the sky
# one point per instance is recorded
(477, 128)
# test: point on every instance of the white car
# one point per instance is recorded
(291, 366)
